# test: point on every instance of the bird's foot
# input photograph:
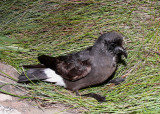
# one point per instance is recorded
(98, 97)
(117, 81)
(77, 93)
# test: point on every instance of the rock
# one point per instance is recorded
(28, 107)
(4, 97)
(7, 71)
(10, 71)
(8, 110)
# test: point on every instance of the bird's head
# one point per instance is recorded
(112, 42)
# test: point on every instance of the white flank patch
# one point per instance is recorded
(53, 77)
(114, 59)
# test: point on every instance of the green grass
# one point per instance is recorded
(58, 27)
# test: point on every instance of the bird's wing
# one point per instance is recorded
(68, 67)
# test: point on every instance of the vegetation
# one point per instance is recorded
(58, 27)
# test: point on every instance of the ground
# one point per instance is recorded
(59, 27)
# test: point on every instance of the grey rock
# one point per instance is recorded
(8, 110)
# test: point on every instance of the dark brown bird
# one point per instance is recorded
(91, 66)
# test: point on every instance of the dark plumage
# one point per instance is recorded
(91, 66)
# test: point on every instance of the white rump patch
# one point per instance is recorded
(53, 77)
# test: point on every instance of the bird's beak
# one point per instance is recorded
(124, 53)
(121, 50)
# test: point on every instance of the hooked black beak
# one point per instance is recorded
(121, 50)
(125, 53)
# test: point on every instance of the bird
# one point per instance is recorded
(91, 66)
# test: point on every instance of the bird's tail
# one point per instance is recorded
(34, 74)
(41, 74)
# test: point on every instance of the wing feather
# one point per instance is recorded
(71, 67)
(75, 70)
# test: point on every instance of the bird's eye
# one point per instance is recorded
(113, 45)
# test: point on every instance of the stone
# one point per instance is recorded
(8, 110)
(4, 97)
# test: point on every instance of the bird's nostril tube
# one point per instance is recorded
(120, 50)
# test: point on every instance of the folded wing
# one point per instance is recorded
(69, 67)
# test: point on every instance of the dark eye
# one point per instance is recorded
(112, 46)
